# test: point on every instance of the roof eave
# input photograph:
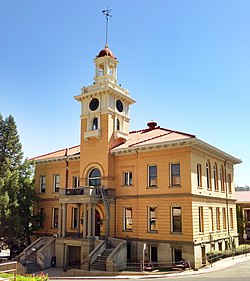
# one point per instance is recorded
(159, 145)
(57, 159)
(194, 142)
(197, 143)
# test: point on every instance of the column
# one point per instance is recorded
(84, 221)
(60, 221)
(89, 221)
(93, 220)
(64, 219)
(78, 218)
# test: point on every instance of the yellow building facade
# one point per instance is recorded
(155, 194)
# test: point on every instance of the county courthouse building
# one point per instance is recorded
(155, 192)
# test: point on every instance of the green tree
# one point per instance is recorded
(16, 187)
(240, 221)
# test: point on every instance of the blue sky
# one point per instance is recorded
(186, 63)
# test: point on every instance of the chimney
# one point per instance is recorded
(151, 125)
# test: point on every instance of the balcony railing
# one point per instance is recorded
(82, 190)
(87, 191)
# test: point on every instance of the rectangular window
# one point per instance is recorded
(211, 219)
(128, 218)
(247, 215)
(229, 181)
(152, 219)
(201, 223)
(55, 217)
(41, 218)
(175, 174)
(218, 218)
(224, 218)
(152, 176)
(42, 184)
(74, 217)
(76, 181)
(199, 175)
(127, 178)
(56, 183)
(176, 219)
(231, 218)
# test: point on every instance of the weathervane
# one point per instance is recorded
(107, 14)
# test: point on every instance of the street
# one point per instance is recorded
(238, 270)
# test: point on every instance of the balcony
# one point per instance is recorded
(84, 194)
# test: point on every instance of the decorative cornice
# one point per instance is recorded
(192, 142)
(58, 159)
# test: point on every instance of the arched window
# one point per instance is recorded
(229, 182)
(95, 177)
(208, 174)
(215, 172)
(100, 70)
(117, 124)
(222, 182)
(95, 124)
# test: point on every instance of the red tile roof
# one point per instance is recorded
(60, 153)
(149, 136)
(152, 136)
(243, 196)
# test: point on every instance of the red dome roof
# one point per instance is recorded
(106, 52)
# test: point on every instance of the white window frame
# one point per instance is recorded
(151, 219)
(74, 217)
(127, 178)
(42, 184)
(218, 219)
(208, 175)
(54, 210)
(56, 181)
(201, 219)
(199, 174)
(75, 181)
(126, 219)
(172, 219)
(211, 219)
(152, 176)
(174, 176)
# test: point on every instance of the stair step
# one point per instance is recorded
(33, 267)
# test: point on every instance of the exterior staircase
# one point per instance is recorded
(31, 264)
(100, 263)
(28, 258)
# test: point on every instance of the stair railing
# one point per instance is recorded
(96, 252)
(45, 254)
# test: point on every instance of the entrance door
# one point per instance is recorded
(98, 222)
(154, 254)
(74, 257)
(203, 253)
(177, 255)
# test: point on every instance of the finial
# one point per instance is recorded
(107, 14)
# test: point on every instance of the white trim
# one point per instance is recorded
(193, 142)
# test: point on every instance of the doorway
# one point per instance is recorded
(203, 255)
(98, 222)
(177, 255)
(153, 254)
(74, 257)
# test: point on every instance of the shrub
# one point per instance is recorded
(27, 277)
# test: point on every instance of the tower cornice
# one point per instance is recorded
(107, 88)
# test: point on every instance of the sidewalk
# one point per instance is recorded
(57, 273)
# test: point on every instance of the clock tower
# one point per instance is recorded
(104, 119)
